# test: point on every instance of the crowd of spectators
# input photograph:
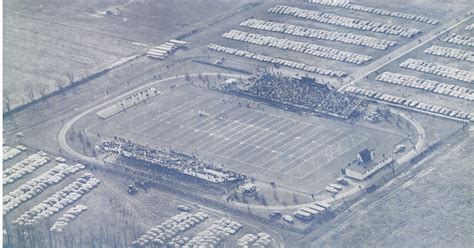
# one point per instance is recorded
(301, 93)
(174, 161)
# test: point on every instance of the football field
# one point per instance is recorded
(248, 136)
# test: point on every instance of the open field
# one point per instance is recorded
(41, 56)
(48, 44)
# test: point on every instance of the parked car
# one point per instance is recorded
(288, 219)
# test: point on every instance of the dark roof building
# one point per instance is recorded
(365, 156)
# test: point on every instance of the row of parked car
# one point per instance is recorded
(215, 234)
(37, 185)
(428, 85)
(251, 240)
(70, 215)
(347, 38)
(347, 22)
(439, 70)
(449, 52)
(348, 5)
(58, 201)
(298, 46)
(165, 234)
(311, 211)
(23, 168)
(284, 62)
(460, 39)
(11, 152)
(413, 104)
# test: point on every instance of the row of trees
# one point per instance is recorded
(33, 91)
(40, 236)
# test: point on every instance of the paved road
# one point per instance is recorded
(421, 142)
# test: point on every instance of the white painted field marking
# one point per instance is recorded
(240, 124)
(260, 131)
(264, 138)
(294, 154)
(297, 140)
(192, 114)
(289, 134)
(248, 125)
(240, 150)
(278, 134)
(240, 127)
(317, 132)
(352, 147)
(184, 111)
(214, 134)
(169, 114)
(221, 123)
(193, 126)
(327, 138)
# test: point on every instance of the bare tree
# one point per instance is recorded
(59, 85)
(7, 100)
(70, 77)
(29, 91)
(42, 90)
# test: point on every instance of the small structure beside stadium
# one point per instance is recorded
(366, 165)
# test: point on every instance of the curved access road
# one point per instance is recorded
(421, 140)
